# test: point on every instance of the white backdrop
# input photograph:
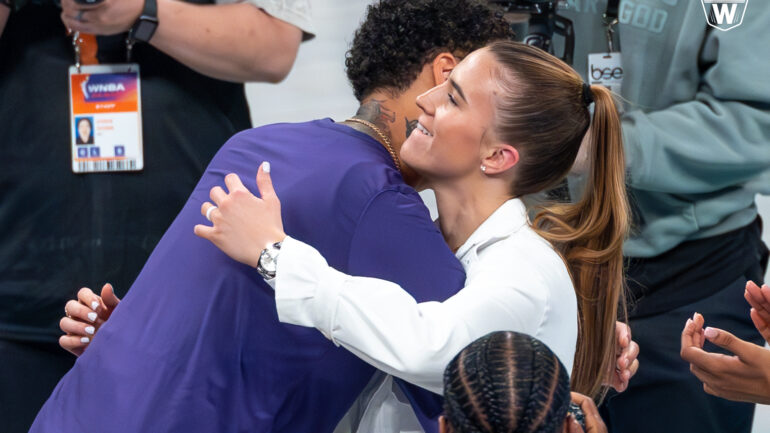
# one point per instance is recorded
(317, 87)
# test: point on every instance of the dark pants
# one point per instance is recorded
(28, 374)
(664, 396)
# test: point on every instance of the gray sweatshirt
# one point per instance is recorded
(697, 117)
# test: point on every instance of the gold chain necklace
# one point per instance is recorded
(383, 137)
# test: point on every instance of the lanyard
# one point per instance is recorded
(610, 21)
(85, 47)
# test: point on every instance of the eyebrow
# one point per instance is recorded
(459, 90)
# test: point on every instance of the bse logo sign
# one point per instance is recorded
(724, 15)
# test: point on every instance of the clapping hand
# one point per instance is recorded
(743, 376)
(759, 299)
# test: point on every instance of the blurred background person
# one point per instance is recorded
(697, 139)
(62, 230)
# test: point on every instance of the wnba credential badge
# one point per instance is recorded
(724, 15)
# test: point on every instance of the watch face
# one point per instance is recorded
(268, 262)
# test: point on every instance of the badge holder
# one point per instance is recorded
(606, 68)
(105, 115)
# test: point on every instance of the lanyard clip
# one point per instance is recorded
(76, 41)
(129, 48)
(610, 24)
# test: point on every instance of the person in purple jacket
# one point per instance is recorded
(196, 345)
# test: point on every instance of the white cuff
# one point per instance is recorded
(306, 288)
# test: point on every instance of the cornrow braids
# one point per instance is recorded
(506, 382)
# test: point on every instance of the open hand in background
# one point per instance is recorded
(743, 376)
(84, 316)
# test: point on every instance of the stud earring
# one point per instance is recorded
(484, 168)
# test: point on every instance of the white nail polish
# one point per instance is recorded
(92, 316)
(266, 167)
(85, 340)
(94, 304)
(90, 330)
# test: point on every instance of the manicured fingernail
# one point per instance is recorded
(688, 322)
(90, 330)
(694, 316)
(266, 167)
(710, 333)
(85, 340)
(94, 304)
(92, 316)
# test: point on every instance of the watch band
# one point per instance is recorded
(145, 26)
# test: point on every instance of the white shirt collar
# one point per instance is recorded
(506, 220)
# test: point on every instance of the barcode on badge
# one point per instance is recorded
(101, 166)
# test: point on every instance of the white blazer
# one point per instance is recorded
(514, 281)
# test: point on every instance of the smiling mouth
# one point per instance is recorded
(424, 130)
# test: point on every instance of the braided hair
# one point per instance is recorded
(506, 382)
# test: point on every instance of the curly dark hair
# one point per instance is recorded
(506, 382)
(398, 37)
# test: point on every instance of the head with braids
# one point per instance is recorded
(505, 382)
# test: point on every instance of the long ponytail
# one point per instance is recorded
(589, 234)
(548, 130)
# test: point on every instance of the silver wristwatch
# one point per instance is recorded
(268, 261)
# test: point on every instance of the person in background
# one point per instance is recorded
(696, 131)
(744, 376)
(60, 229)
(508, 382)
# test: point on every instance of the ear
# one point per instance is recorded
(442, 65)
(499, 158)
